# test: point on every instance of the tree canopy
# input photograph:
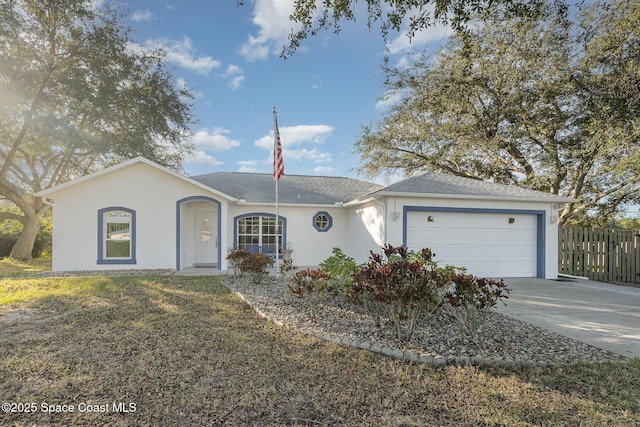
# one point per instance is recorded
(539, 103)
(77, 95)
(314, 16)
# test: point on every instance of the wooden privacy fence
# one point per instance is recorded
(603, 254)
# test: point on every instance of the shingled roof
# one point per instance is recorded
(433, 183)
(329, 190)
(323, 190)
(302, 189)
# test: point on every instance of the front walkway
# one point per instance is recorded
(208, 271)
(200, 271)
(599, 314)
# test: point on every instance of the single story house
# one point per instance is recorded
(140, 215)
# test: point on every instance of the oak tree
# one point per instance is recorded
(77, 95)
(539, 103)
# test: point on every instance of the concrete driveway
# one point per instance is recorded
(599, 314)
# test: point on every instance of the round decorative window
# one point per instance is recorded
(322, 221)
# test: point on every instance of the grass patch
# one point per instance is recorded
(186, 351)
(10, 267)
(48, 290)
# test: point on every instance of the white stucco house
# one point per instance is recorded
(140, 215)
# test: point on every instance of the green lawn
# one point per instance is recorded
(186, 351)
(10, 267)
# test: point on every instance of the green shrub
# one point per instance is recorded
(340, 269)
(7, 240)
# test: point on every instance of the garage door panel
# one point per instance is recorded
(487, 244)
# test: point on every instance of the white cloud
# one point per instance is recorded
(293, 135)
(96, 4)
(236, 82)
(403, 63)
(203, 159)
(236, 76)
(301, 133)
(233, 70)
(389, 99)
(142, 15)
(248, 166)
(299, 144)
(404, 43)
(182, 83)
(303, 154)
(323, 169)
(214, 140)
(272, 18)
(316, 82)
(254, 50)
(182, 53)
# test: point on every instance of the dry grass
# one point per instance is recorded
(10, 267)
(186, 351)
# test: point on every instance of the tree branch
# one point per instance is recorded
(11, 216)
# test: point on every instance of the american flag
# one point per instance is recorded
(278, 162)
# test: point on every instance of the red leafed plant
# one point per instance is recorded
(399, 287)
(471, 299)
(314, 285)
(255, 265)
(235, 256)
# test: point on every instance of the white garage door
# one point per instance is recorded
(487, 244)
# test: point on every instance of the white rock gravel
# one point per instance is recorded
(440, 340)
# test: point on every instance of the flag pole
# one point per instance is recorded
(276, 178)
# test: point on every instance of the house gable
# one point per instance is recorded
(136, 162)
(140, 187)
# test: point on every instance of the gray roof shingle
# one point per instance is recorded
(328, 190)
(302, 189)
(438, 183)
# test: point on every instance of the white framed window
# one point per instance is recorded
(116, 236)
(258, 233)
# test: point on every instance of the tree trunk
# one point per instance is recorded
(24, 245)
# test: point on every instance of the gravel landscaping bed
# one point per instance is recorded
(439, 340)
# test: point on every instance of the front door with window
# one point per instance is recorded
(205, 239)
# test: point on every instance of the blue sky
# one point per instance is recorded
(229, 57)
